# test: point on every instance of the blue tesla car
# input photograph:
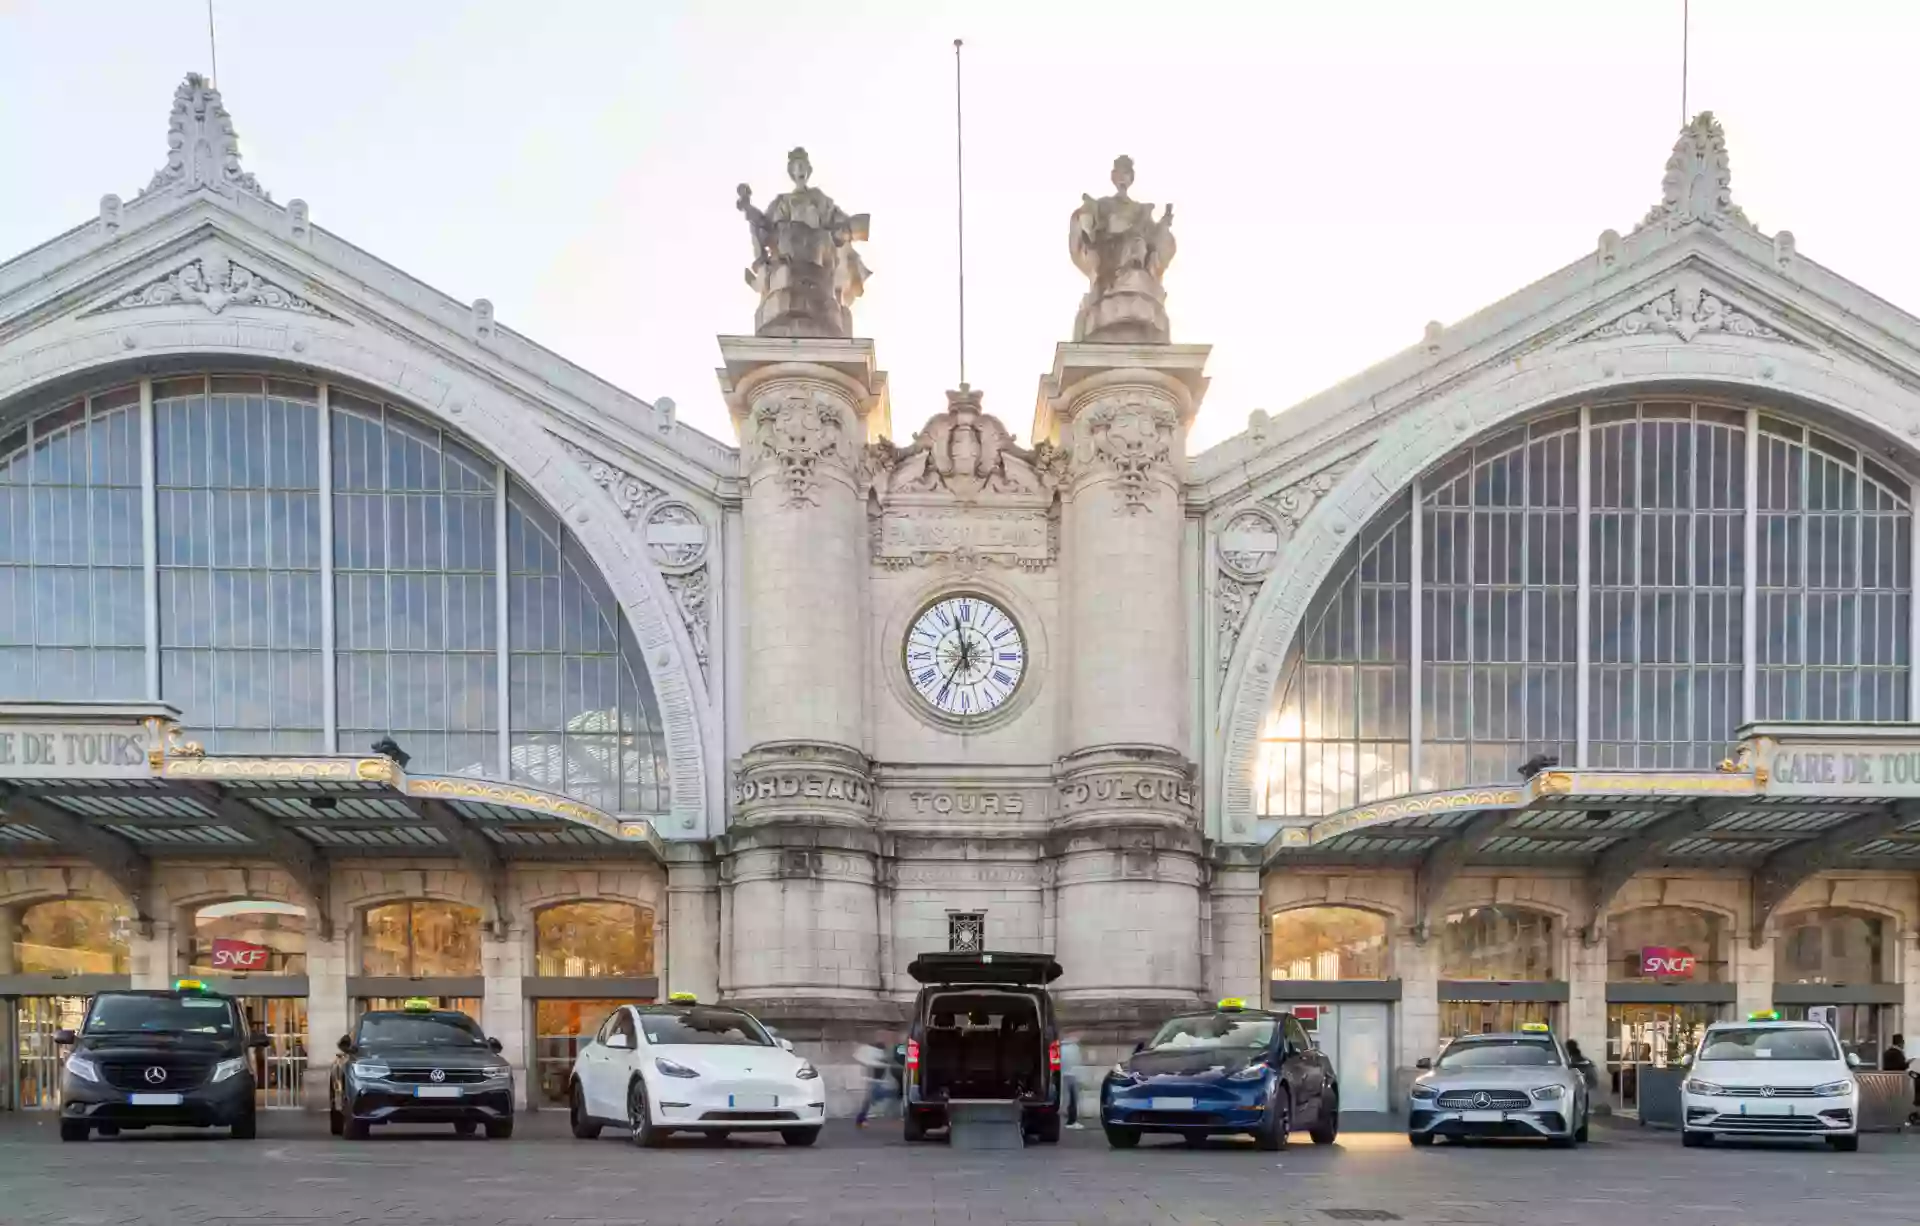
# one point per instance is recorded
(1231, 1070)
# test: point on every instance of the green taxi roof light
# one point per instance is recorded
(683, 998)
(1535, 1028)
(1764, 1015)
(189, 985)
(1232, 1002)
(418, 1004)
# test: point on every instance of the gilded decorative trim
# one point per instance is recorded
(373, 770)
(1409, 806)
(1656, 784)
(1553, 783)
(518, 798)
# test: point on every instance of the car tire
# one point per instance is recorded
(465, 1128)
(1194, 1140)
(1327, 1128)
(499, 1130)
(109, 1130)
(1421, 1139)
(1580, 1133)
(1694, 1140)
(245, 1128)
(584, 1128)
(336, 1124)
(1273, 1133)
(357, 1130)
(641, 1129)
(912, 1127)
(718, 1135)
(1565, 1142)
(1845, 1145)
(73, 1130)
(1122, 1138)
(1047, 1128)
(800, 1138)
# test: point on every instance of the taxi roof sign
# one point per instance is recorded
(1232, 1003)
(1764, 1015)
(417, 1004)
(189, 985)
(684, 998)
(1535, 1028)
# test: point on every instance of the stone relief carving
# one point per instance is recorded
(1698, 185)
(963, 451)
(676, 536)
(798, 431)
(1124, 252)
(805, 267)
(690, 597)
(1249, 543)
(202, 149)
(1133, 436)
(1129, 789)
(1685, 311)
(630, 493)
(967, 537)
(1232, 603)
(1292, 504)
(216, 283)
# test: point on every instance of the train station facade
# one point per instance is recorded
(355, 647)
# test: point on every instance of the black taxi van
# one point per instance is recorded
(170, 1058)
(419, 1065)
(983, 1031)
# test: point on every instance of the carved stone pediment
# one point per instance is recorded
(213, 281)
(963, 454)
(1690, 309)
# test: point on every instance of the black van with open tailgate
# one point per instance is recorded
(983, 1032)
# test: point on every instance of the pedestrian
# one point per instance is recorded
(876, 1066)
(1070, 1061)
(1894, 1059)
(1577, 1060)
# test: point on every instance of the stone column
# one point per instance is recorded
(1417, 1032)
(1125, 829)
(802, 847)
(1586, 1020)
(1908, 968)
(1237, 969)
(693, 924)
(329, 1012)
(9, 933)
(1752, 975)
(152, 959)
(503, 1009)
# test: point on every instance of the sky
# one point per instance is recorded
(1343, 172)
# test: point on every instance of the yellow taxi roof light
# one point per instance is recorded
(1233, 1002)
(1764, 1015)
(189, 985)
(1535, 1028)
(683, 998)
(418, 1004)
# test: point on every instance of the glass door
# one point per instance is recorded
(1650, 1036)
(560, 1029)
(37, 1058)
(279, 1069)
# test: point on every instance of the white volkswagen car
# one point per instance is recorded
(688, 1067)
(1764, 1077)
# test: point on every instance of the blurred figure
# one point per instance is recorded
(877, 1066)
(1070, 1063)
(1894, 1059)
(1578, 1060)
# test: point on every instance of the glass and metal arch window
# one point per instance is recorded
(72, 936)
(591, 939)
(1327, 943)
(1496, 942)
(420, 938)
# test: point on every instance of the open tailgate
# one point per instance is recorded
(985, 967)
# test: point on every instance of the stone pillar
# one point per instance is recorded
(9, 933)
(503, 1010)
(329, 1012)
(1752, 975)
(152, 959)
(1417, 1033)
(1237, 969)
(693, 923)
(1125, 830)
(1586, 1019)
(1908, 968)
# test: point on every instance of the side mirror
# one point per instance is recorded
(618, 1042)
(258, 1039)
(64, 1037)
(785, 1044)
(1853, 1059)
(1424, 1062)
(493, 1045)
(346, 1044)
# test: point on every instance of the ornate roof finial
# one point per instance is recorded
(202, 150)
(1698, 185)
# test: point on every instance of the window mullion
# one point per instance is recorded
(149, 536)
(1583, 581)
(330, 684)
(1416, 642)
(1749, 579)
(503, 661)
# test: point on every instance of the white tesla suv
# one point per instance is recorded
(689, 1067)
(1770, 1078)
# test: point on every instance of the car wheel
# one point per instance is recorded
(1327, 1127)
(357, 1130)
(243, 1128)
(73, 1130)
(336, 1124)
(1047, 1128)
(1694, 1140)
(1420, 1138)
(1122, 1138)
(912, 1127)
(1580, 1133)
(583, 1128)
(499, 1130)
(718, 1135)
(109, 1130)
(641, 1129)
(465, 1128)
(800, 1137)
(1845, 1145)
(1194, 1140)
(1278, 1127)
(1565, 1142)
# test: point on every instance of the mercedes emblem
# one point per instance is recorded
(1483, 1100)
(155, 1075)
(439, 1074)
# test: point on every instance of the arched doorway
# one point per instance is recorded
(256, 949)
(589, 957)
(419, 947)
(1330, 966)
(1838, 965)
(1667, 980)
(1496, 967)
(61, 951)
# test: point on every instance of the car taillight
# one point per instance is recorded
(913, 1055)
(1053, 1055)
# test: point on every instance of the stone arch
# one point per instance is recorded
(493, 415)
(538, 887)
(23, 887)
(185, 888)
(1840, 384)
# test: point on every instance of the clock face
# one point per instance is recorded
(965, 656)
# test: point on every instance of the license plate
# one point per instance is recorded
(1172, 1104)
(752, 1102)
(436, 1091)
(1483, 1117)
(154, 1100)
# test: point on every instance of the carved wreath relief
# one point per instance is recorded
(799, 431)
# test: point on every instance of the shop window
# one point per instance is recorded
(594, 939)
(250, 936)
(420, 938)
(1503, 943)
(1318, 943)
(74, 936)
(1666, 945)
(1829, 945)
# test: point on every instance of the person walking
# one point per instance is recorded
(876, 1063)
(1070, 1062)
(1894, 1059)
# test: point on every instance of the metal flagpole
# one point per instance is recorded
(960, 206)
(213, 50)
(1686, 37)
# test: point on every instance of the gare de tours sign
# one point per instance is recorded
(58, 740)
(1863, 761)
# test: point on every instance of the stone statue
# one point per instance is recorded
(804, 265)
(1124, 251)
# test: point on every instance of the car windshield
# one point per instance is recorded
(1760, 1043)
(704, 1027)
(1499, 1053)
(161, 1015)
(419, 1030)
(1213, 1030)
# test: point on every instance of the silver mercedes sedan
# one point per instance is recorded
(1499, 1085)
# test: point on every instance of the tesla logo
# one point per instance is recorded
(1661, 962)
(439, 1074)
(1483, 1099)
(230, 955)
(155, 1075)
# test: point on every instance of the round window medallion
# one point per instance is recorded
(676, 537)
(1250, 544)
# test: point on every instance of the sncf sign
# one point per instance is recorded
(229, 955)
(1663, 962)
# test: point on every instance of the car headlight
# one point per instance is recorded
(228, 1068)
(499, 1072)
(1253, 1072)
(1424, 1093)
(1833, 1089)
(1706, 1089)
(371, 1070)
(807, 1072)
(1549, 1093)
(671, 1069)
(83, 1068)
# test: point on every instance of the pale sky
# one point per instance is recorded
(1343, 171)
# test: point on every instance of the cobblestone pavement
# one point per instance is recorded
(295, 1173)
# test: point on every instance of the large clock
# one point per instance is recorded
(965, 656)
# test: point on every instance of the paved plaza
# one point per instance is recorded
(295, 1173)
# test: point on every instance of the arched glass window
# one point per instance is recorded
(1654, 945)
(1830, 945)
(1321, 943)
(253, 936)
(420, 938)
(1339, 734)
(594, 939)
(1504, 943)
(71, 589)
(71, 936)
